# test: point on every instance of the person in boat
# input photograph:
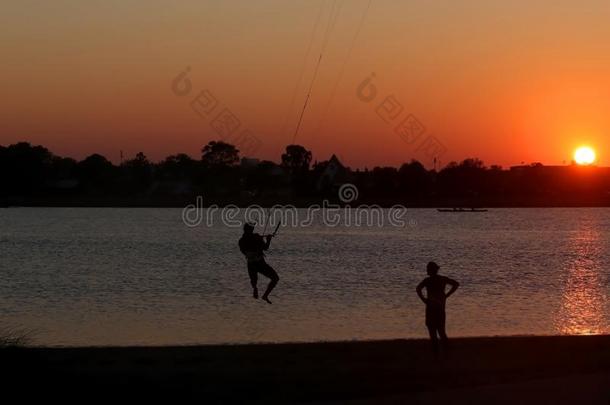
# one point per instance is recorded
(253, 245)
(435, 299)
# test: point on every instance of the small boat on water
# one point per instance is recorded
(462, 210)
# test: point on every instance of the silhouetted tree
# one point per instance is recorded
(138, 171)
(25, 168)
(177, 167)
(414, 179)
(463, 181)
(260, 177)
(385, 181)
(296, 159)
(95, 170)
(219, 154)
(62, 169)
(296, 162)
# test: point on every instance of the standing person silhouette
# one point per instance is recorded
(253, 245)
(435, 303)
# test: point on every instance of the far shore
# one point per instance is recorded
(554, 369)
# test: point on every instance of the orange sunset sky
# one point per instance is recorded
(507, 82)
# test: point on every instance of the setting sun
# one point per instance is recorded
(584, 156)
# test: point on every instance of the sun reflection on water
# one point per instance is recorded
(583, 297)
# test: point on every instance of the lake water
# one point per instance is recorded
(113, 276)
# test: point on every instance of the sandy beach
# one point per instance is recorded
(477, 370)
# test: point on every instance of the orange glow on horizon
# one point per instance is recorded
(488, 80)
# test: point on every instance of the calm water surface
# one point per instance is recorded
(140, 276)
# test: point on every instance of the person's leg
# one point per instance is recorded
(442, 333)
(252, 272)
(433, 338)
(432, 322)
(268, 271)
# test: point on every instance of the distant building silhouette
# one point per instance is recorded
(333, 175)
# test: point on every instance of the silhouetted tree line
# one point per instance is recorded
(32, 175)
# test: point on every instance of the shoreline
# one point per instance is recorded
(259, 344)
(328, 371)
